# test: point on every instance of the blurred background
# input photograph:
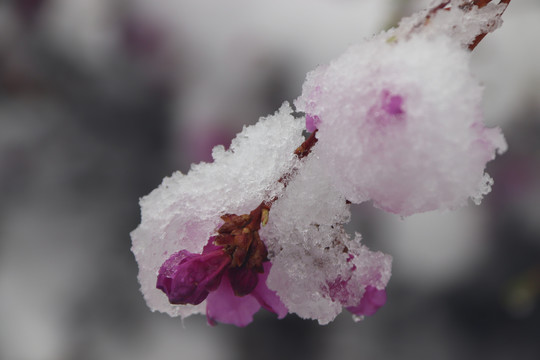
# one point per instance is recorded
(100, 99)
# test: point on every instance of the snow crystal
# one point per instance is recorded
(459, 19)
(184, 211)
(316, 267)
(401, 124)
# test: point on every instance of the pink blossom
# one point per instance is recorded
(233, 294)
(224, 306)
(372, 300)
(343, 290)
(389, 133)
(397, 121)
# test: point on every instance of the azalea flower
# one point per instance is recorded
(231, 272)
(395, 120)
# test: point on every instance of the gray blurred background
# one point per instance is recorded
(100, 99)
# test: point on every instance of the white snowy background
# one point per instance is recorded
(100, 99)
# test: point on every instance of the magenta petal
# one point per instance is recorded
(266, 297)
(392, 104)
(168, 272)
(223, 306)
(187, 278)
(243, 280)
(372, 300)
(312, 122)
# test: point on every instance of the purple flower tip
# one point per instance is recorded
(224, 306)
(312, 122)
(372, 300)
(187, 278)
(392, 103)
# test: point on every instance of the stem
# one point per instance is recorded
(481, 4)
(301, 152)
(304, 149)
(465, 6)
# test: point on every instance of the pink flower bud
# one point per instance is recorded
(186, 278)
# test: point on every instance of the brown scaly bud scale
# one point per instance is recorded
(239, 236)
